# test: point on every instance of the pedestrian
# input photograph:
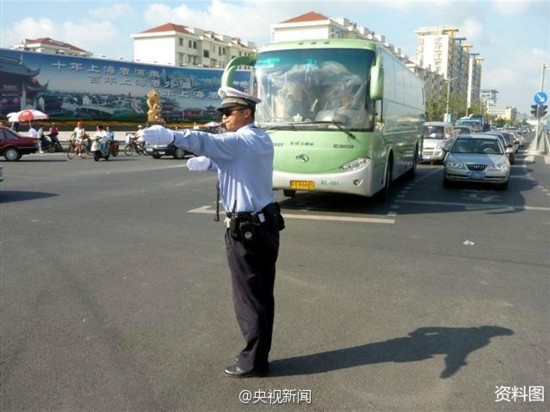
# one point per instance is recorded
(243, 159)
(40, 137)
(32, 131)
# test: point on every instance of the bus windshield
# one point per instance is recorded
(317, 88)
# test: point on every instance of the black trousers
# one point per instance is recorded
(253, 280)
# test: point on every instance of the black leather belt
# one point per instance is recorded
(254, 217)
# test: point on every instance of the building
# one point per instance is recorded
(313, 25)
(179, 45)
(508, 114)
(51, 46)
(442, 51)
(489, 97)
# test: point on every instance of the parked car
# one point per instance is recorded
(479, 158)
(13, 145)
(434, 136)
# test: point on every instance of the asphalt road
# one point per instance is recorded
(114, 294)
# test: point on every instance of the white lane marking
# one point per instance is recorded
(354, 219)
(474, 205)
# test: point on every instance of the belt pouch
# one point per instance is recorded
(233, 228)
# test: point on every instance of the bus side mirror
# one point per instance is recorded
(376, 90)
(227, 77)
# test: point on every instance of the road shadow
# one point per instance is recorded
(424, 343)
(8, 196)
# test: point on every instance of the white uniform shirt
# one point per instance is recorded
(244, 160)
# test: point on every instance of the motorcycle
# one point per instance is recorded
(113, 147)
(110, 148)
(51, 144)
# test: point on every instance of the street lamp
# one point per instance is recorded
(447, 117)
(539, 139)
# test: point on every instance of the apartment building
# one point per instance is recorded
(443, 51)
(179, 45)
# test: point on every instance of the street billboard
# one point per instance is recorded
(70, 87)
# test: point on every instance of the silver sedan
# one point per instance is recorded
(477, 158)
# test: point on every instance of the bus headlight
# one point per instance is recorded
(356, 164)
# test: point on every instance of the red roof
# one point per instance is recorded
(52, 42)
(168, 27)
(311, 16)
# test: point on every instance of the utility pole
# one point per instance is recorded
(538, 134)
(447, 117)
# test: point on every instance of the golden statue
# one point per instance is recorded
(155, 108)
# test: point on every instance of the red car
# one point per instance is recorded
(13, 145)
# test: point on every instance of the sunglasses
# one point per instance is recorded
(229, 112)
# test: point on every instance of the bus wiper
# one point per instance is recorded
(337, 124)
(278, 126)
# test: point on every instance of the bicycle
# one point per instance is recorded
(72, 150)
(134, 146)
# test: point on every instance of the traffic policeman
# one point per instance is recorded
(243, 159)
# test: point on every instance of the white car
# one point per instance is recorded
(435, 136)
(477, 158)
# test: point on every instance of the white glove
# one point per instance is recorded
(158, 135)
(199, 163)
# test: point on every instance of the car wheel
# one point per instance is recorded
(11, 154)
(179, 153)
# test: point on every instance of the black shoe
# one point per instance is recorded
(235, 371)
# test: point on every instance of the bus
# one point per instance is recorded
(345, 115)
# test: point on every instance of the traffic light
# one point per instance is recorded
(534, 109)
(541, 112)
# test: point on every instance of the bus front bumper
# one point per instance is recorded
(357, 182)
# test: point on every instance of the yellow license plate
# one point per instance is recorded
(302, 184)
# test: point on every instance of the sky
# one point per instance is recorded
(512, 36)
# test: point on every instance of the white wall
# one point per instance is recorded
(159, 50)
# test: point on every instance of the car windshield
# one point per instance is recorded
(433, 132)
(477, 146)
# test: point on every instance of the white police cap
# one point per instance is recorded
(232, 97)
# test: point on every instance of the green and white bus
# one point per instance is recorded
(345, 115)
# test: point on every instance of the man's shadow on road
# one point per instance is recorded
(455, 343)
